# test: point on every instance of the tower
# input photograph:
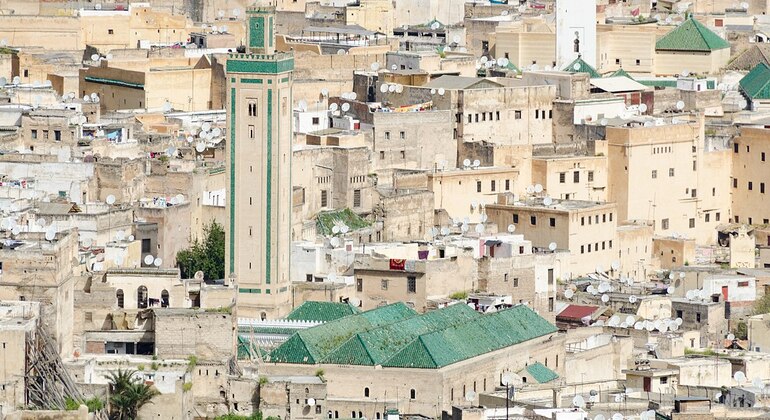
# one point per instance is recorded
(258, 169)
(575, 31)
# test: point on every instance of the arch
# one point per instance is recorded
(263, 316)
(120, 297)
(141, 297)
(164, 300)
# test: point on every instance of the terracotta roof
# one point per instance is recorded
(577, 312)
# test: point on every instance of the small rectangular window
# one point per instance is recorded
(411, 284)
(716, 216)
(517, 115)
(251, 132)
(537, 113)
(735, 147)
(359, 284)
(590, 176)
(763, 156)
(324, 199)
(492, 185)
(382, 155)
(562, 177)
(552, 222)
(638, 62)
(762, 187)
(478, 186)
(533, 220)
(384, 284)
(316, 120)
(515, 282)
(735, 182)
(751, 185)
(692, 223)
(356, 198)
(670, 171)
(402, 135)
(664, 224)
(387, 135)
(654, 174)
(110, 32)
(507, 184)
(34, 134)
(515, 218)
(576, 177)
(707, 217)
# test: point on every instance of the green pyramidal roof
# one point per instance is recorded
(311, 345)
(473, 338)
(541, 373)
(620, 73)
(580, 66)
(756, 84)
(375, 346)
(321, 311)
(691, 35)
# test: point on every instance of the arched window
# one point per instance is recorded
(119, 296)
(164, 302)
(141, 297)
(263, 316)
(336, 414)
(366, 392)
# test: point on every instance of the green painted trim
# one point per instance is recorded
(269, 184)
(271, 37)
(256, 32)
(269, 81)
(256, 63)
(267, 291)
(255, 291)
(113, 82)
(257, 81)
(233, 98)
(283, 289)
(232, 80)
(285, 80)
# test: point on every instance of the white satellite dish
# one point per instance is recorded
(547, 201)
(680, 105)
(375, 66)
(511, 228)
(200, 147)
(131, 238)
(441, 91)
(87, 242)
(94, 57)
(538, 188)
(470, 396)
(630, 320)
(632, 299)
(479, 228)
(507, 379)
(466, 162)
(148, 260)
(639, 326)
(476, 163)
(190, 139)
(445, 231)
(615, 265)
(352, 96)
(16, 230)
(344, 229)
(600, 269)
(399, 88)
(3, 81)
(642, 108)
(236, 12)
(392, 87)
(311, 401)
(335, 242)
(345, 107)
(324, 92)
(110, 199)
(158, 261)
(355, 301)
(120, 235)
(731, 336)
(384, 88)
(605, 298)
(576, 66)
(578, 401)
(569, 293)
(118, 260)
(50, 234)
(335, 229)
(16, 80)
(552, 246)
(739, 376)
(670, 290)
(334, 106)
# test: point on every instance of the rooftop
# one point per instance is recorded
(691, 35)
(756, 84)
(556, 204)
(321, 311)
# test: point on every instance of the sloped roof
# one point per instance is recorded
(321, 311)
(311, 345)
(756, 84)
(461, 82)
(618, 84)
(375, 346)
(541, 373)
(577, 312)
(580, 66)
(620, 73)
(691, 35)
(749, 58)
(470, 339)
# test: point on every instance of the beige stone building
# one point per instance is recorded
(38, 270)
(465, 192)
(572, 177)
(750, 179)
(259, 118)
(664, 173)
(426, 363)
(691, 47)
(586, 228)
(531, 41)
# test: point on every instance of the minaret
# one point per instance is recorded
(258, 168)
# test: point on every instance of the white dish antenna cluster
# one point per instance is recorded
(340, 228)
(350, 96)
(391, 88)
(468, 164)
(697, 294)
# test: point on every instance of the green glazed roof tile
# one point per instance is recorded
(580, 66)
(756, 84)
(541, 373)
(321, 311)
(620, 72)
(691, 35)
(311, 345)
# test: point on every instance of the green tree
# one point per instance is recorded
(128, 394)
(207, 255)
(762, 305)
(741, 331)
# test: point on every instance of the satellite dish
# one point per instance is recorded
(335, 229)
(642, 108)
(324, 92)
(758, 383)
(547, 201)
(470, 396)
(615, 265)
(41, 222)
(479, 228)
(345, 107)
(167, 106)
(731, 337)
(617, 416)
(605, 298)
(190, 139)
(87, 242)
(745, 6)
(3, 81)
(236, 12)
(16, 80)
(441, 91)
(476, 163)
(200, 147)
(384, 88)
(335, 242)
(507, 379)
(511, 228)
(552, 246)
(392, 88)
(399, 88)
(16, 230)
(680, 105)
(576, 66)
(199, 275)
(445, 231)
(632, 299)
(120, 235)
(311, 401)
(118, 260)
(639, 326)
(344, 229)
(569, 293)
(739, 376)
(50, 234)
(206, 126)
(131, 238)
(600, 269)
(375, 66)
(530, 189)
(670, 290)
(148, 260)
(158, 261)
(94, 57)
(538, 188)
(333, 107)
(110, 199)
(578, 401)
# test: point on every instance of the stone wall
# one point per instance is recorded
(181, 333)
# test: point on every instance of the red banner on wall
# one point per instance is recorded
(397, 264)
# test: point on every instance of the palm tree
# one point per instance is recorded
(128, 394)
